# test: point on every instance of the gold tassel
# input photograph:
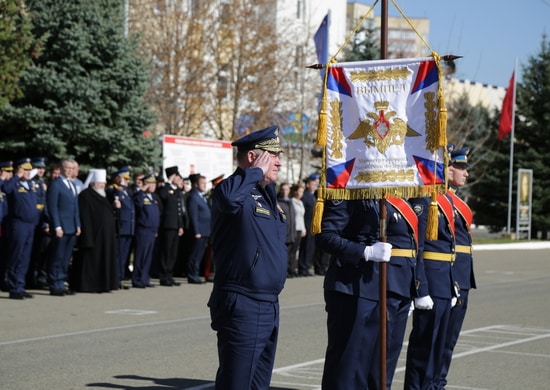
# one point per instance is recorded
(432, 225)
(442, 122)
(317, 216)
(323, 121)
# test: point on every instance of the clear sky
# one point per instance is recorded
(488, 34)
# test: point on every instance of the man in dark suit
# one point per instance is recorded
(198, 213)
(62, 206)
(171, 225)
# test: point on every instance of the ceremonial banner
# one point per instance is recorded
(384, 134)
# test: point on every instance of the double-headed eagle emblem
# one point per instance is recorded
(379, 131)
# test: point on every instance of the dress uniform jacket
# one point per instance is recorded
(438, 254)
(463, 269)
(22, 219)
(402, 234)
(126, 215)
(248, 237)
(347, 227)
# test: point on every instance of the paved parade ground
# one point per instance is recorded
(160, 338)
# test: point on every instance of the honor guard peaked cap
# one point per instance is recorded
(458, 157)
(24, 163)
(39, 162)
(265, 139)
(6, 166)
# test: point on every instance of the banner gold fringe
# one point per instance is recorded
(432, 224)
(317, 216)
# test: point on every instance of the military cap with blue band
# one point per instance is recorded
(265, 139)
(123, 172)
(39, 162)
(458, 157)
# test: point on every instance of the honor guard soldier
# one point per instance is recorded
(433, 307)
(463, 268)
(250, 258)
(125, 214)
(402, 280)
(148, 212)
(38, 273)
(349, 233)
(22, 219)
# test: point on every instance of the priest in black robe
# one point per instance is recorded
(94, 267)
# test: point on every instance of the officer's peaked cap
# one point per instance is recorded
(265, 139)
(24, 163)
(458, 157)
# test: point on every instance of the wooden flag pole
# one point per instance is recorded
(383, 213)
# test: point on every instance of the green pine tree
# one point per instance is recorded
(83, 97)
(17, 47)
(362, 46)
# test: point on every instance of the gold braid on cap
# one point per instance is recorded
(269, 145)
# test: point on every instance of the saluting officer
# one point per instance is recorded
(436, 296)
(148, 212)
(463, 268)
(125, 214)
(22, 219)
(250, 257)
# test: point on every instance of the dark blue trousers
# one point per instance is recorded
(124, 248)
(196, 253)
(426, 345)
(62, 251)
(353, 327)
(247, 332)
(19, 255)
(458, 313)
(145, 243)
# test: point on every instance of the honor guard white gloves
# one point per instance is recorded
(380, 252)
(424, 303)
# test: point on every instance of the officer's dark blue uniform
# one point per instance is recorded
(427, 338)
(463, 269)
(402, 277)
(148, 210)
(351, 290)
(37, 274)
(250, 258)
(23, 217)
(126, 217)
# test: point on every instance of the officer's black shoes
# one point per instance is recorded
(21, 295)
(57, 293)
(195, 281)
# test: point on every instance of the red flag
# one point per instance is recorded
(505, 124)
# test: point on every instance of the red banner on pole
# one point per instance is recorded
(506, 115)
